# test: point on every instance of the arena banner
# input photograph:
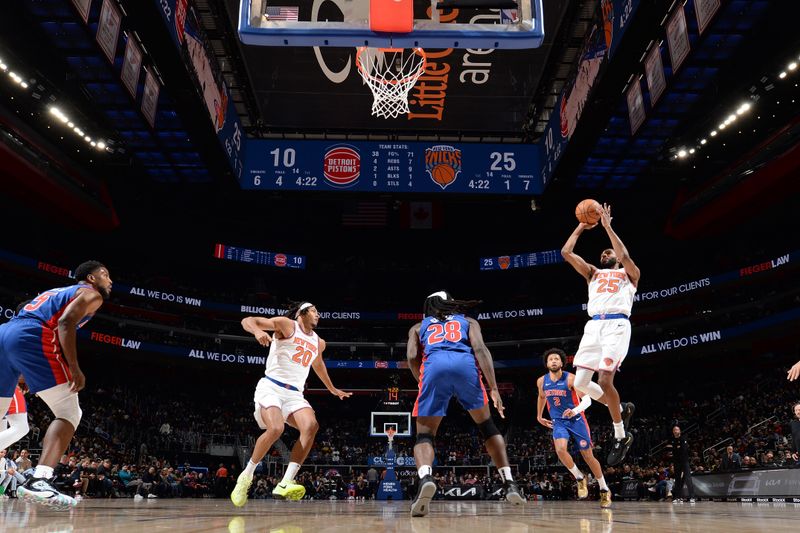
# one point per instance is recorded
(645, 294)
(748, 484)
(186, 30)
(601, 45)
(532, 259)
(259, 257)
(220, 356)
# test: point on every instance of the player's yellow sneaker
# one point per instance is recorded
(605, 499)
(289, 491)
(583, 489)
(239, 494)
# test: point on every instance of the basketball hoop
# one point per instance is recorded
(390, 74)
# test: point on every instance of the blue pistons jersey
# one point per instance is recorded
(451, 335)
(449, 368)
(560, 398)
(48, 307)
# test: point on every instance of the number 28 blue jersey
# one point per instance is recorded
(451, 335)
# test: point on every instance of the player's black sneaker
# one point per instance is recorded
(513, 495)
(41, 491)
(425, 493)
(627, 413)
(619, 449)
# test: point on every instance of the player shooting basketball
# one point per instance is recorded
(607, 335)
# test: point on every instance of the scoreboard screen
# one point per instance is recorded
(392, 166)
(505, 262)
(258, 257)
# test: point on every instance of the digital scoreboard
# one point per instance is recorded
(393, 166)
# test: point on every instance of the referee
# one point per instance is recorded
(680, 460)
(796, 433)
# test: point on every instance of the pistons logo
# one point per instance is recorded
(381, 364)
(443, 164)
(564, 117)
(504, 262)
(583, 443)
(342, 166)
(280, 260)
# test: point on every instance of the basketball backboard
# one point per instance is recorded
(381, 421)
(475, 24)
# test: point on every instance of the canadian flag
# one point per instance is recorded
(421, 215)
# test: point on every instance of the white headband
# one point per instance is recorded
(303, 308)
(440, 294)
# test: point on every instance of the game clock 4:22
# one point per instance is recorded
(393, 166)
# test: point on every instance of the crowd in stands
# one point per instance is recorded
(143, 439)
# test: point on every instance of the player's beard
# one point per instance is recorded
(609, 262)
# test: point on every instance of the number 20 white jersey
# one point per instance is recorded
(610, 292)
(290, 359)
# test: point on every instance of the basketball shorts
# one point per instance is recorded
(268, 394)
(576, 427)
(18, 405)
(444, 375)
(29, 348)
(604, 345)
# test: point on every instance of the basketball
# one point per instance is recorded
(443, 174)
(588, 211)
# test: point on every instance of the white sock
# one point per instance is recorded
(291, 471)
(425, 470)
(505, 473)
(602, 482)
(43, 472)
(619, 430)
(250, 468)
(576, 472)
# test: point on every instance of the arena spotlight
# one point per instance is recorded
(782, 75)
(744, 108)
(691, 150)
(101, 145)
(682, 153)
(791, 66)
(722, 125)
(713, 133)
(703, 141)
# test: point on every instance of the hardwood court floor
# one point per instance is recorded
(204, 515)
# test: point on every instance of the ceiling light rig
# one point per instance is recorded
(54, 111)
(742, 109)
(64, 119)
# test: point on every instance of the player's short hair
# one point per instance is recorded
(86, 268)
(561, 354)
(795, 405)
(441, 304)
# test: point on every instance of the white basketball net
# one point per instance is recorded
(390, 74)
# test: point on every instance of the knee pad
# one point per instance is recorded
(488, 429)
(63, 403)
(423, 438)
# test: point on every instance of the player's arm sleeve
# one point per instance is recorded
(586, 401)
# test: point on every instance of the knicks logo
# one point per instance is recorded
(443, 164)
(504, 262)
(342, 166)
(608, 362)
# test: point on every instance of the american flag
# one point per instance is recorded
(278, 13)
(366, 215)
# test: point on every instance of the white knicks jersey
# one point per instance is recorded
(610, 292)
(290, 359)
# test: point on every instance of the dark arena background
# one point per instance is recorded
(219, 173)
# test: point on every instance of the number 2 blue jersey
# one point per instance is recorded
(559, 397)
(451, 335)
(48, 307)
